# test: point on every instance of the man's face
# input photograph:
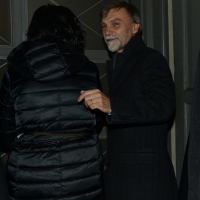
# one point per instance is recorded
(117, 29)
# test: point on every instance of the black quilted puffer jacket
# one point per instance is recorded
(40, 90)
(39, 94)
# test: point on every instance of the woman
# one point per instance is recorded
(56, 153)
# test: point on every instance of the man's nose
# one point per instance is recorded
(108, 31)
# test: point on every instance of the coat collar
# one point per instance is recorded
(134, 43)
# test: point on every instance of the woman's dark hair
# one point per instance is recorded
(57, 21)
(131, 9)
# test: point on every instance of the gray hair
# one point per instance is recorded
(130, 8)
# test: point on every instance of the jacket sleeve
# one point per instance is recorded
(7, 122)
(155, 103)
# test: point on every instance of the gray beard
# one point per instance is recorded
(114, 47)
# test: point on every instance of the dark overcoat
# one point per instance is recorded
(142, 96)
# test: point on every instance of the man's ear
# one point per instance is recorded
(135, 28)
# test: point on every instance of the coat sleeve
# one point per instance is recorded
(154, 104)
(7, 122)
(99, 114)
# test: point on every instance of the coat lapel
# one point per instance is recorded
(119, 62)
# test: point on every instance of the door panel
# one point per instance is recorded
(186, 47)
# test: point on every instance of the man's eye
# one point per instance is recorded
(103, 27)
(115, 24)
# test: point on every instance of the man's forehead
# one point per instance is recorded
(116, 14)
(112, 20)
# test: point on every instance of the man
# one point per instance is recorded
(140, 105)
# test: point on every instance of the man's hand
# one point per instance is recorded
(95, 99)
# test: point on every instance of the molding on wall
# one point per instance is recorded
(17, 23)
(149, 26)
(164, 28)
(4, 51)
(17, 27)
(185, 45)
(97, 56)
(171, 64)
(187, 113)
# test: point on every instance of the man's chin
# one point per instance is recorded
(112, 49)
